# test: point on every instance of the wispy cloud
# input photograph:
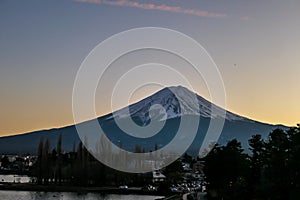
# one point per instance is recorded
(161, 7)
(245, 18)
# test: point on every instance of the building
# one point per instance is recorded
(157, 177)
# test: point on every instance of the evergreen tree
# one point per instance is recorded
(226, 169)
(294, 162)
(257, 147)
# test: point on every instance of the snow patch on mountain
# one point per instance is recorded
(165, 104)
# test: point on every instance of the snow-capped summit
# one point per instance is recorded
(172, 102)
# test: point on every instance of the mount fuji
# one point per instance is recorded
(168, 105)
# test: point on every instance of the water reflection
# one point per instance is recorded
(20, 195)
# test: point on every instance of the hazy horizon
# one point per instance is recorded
(131, 102)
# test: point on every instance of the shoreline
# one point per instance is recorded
(76, 189)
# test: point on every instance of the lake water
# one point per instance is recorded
(20, 195)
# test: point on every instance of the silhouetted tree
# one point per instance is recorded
(40, 161)
(226, 169)
(257, 147)
(275, 171)
(4, 161)
(294, 162)
(59, 159)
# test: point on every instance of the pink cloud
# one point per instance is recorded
(150, 6)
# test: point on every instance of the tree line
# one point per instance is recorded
(80, 168)
(77, 167)
(270, 171)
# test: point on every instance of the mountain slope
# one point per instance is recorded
(161, 106)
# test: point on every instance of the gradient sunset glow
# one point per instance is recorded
(254, 43)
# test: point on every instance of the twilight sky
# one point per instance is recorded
(255, 44)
